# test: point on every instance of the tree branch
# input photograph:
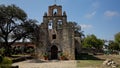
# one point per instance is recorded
(11, 29)
(3, 31)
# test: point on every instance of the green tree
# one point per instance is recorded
(113, 45)
(77, 29)
(34, 32)
(117, 38)
(1, 42)
(91, 41)
(11, 18)
(33, 29)
(75, 26)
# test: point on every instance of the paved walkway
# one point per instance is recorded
(46, 64)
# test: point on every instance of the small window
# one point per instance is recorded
(59, 24)
(50, 24)
(54, 36)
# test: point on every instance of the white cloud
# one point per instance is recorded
(90, 15)
(111, 13)
(86, 26)
(93, 10)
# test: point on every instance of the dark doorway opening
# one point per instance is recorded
(54, 52)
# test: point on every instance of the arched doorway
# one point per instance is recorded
(54, 52)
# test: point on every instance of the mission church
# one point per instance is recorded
(58, 35)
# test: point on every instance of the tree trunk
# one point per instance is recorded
(7, 49)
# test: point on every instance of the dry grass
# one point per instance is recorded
(89, 63)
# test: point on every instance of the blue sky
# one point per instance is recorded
(99, 17)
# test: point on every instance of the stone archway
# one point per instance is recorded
(54, 52)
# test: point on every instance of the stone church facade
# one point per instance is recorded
(58, 35)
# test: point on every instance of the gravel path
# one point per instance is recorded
(46, 64)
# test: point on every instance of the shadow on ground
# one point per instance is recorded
(19, 59)
(82, 56)
(31, 59)
(86, 56)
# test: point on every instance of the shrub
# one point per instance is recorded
(61, 54)
(45, 55)
(6, 62)
(2, 50)
(1, 58)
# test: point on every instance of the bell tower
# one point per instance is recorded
(55, 10)
(55, 17)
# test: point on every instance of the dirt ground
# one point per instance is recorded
(69, 63)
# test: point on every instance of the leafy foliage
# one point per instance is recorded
(2, 51)
(91, 41)
(77, 29)
(113, 45)
(75, 26)
(6, 63)
(11, 19)
(117, 38)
